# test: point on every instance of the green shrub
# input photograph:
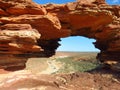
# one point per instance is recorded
(70, 65)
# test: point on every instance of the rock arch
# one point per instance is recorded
(31, 30)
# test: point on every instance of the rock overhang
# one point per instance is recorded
(92, 19)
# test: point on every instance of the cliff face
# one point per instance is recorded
(31, 30)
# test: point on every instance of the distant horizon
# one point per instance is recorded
(78, 51)
(81, 51)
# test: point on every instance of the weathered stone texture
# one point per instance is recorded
(93, 19)
(22, 22)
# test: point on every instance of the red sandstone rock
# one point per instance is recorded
(22, 22)
(16, 27)
(20, 40)
(18, 7)
(45, 24)
(18, 10)
(11, 62)
(22, 80)
(16, 39)
(91, 1)
(94, 19)
(2, 12)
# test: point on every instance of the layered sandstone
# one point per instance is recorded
(29, 30)
(16, 39)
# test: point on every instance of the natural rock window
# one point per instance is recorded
(77, 43)
(50, 22)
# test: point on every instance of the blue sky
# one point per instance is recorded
(77, 43)
(52, 1)
(113, 2)
(65, 1)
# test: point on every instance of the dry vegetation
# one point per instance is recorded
(64, 62)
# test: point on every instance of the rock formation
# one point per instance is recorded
(29, 30)
(76, 81)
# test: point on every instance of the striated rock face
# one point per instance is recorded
(28, 29)
(19, 39)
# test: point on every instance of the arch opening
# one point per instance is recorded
(77, 44)
(78, 54)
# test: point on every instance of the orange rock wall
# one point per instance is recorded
(28, 29)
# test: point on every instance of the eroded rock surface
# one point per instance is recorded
(80, 81)
(22, 22)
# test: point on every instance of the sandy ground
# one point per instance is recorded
(38, 75)
(43, 66)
